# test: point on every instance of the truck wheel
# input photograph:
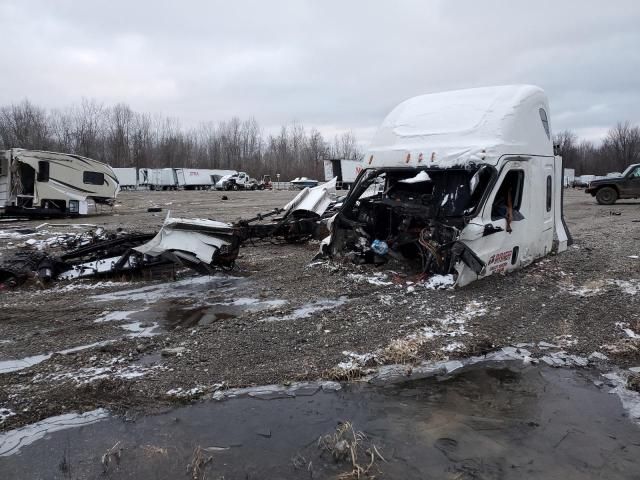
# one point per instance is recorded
(235, 186)
(606, 196)
(253, 187)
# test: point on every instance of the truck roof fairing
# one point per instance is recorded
(455, 128)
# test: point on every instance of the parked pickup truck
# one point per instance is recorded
(608, 190)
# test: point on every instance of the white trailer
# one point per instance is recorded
(46, 184)
(472, 186)
(569, 177)
(345, 171)
(127, 177)
(163, 178)
(195, 178)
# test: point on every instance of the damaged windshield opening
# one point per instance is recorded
(415, 217)
(508, 199)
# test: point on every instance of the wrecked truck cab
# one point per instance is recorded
(471, 187)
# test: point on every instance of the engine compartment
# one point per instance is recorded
(409, 215)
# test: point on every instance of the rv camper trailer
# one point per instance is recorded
(38, 183)
(471, 186)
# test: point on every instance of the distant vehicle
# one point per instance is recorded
(163, 179)
(127, 178)
(345, 171)
(583, 180)
(46, 184)
(194, 178)
(608, 190)
(304, 182)
(265, 183)
(569, 176)
(237, 181)
(216, 174)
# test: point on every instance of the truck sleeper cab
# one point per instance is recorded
(450, 208)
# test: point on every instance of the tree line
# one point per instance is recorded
(619, 149)
(121, 137)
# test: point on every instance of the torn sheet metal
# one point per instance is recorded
(195, 240)
(315, 200)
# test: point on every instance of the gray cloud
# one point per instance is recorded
(334, 65)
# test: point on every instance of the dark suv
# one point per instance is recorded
(608, 190)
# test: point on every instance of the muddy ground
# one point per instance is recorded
(139, 346)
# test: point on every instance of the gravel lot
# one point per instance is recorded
(278, 318)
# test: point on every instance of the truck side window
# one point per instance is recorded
(549, 188)
(545, 122)
(43, 171)
(93, 178)
(509, 196)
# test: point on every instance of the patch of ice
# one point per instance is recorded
(361, 358)
(5, 413)
(8, 366)
(625, 328)
(309, 309)
(253, 303)
(453, 347)
(630, 287)
(115, 316)
(12, 441)
(153, 293)
(630, 399)
(138, 330)
(437, 282)
(378, 278)
(182, 392)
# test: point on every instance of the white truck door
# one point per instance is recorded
(550, 185)
(487, 235)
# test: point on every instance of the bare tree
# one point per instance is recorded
(621, 146)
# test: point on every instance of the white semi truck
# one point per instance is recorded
(471, 186)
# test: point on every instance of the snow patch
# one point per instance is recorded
(12, 441)
(307, 310)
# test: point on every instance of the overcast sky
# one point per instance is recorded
(335, 65)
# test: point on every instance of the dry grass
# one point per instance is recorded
(153, 451)
(199, 461)
(340, 374)
(348, 445)
(111, 456)
(403, 350)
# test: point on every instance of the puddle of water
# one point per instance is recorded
(486, 422)
(191, 317)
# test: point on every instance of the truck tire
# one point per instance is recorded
(235, 186)
(253, 186)
(607, 196)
